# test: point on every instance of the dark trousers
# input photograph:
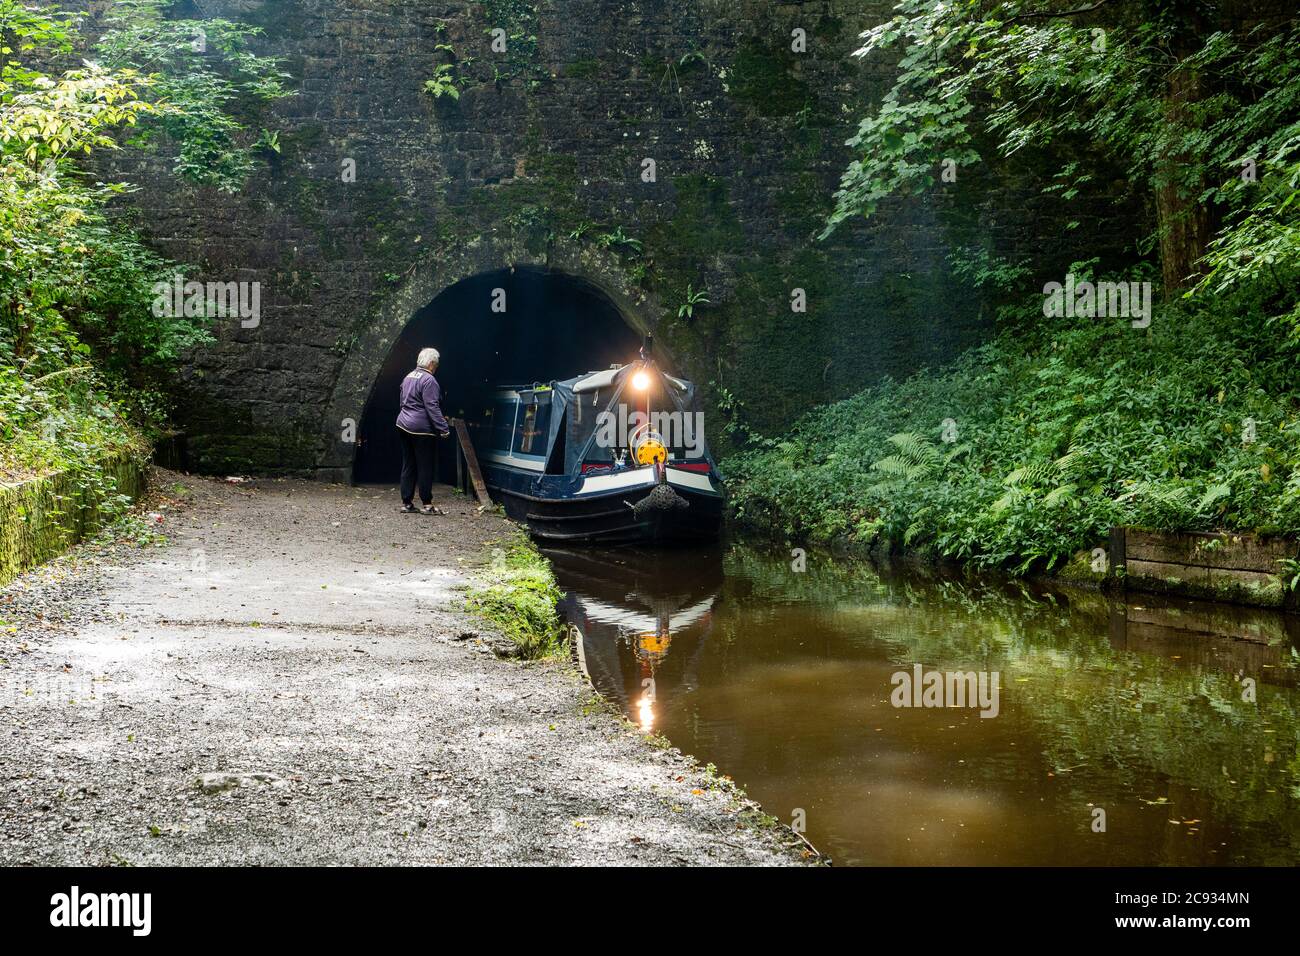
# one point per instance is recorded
(417, 462)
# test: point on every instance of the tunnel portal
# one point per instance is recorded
(508, 327)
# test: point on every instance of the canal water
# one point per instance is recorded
(1138, 732)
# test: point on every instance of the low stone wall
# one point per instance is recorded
(45, 516)
(1223, 566)
(1241, 568)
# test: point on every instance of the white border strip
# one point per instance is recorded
(625, 479)
(514, 462)
(689, 479)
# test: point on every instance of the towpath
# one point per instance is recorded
(291, 679)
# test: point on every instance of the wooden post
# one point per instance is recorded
(460, 468)
(471, 461)
(1118, 564)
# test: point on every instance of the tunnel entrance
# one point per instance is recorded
(554, 326)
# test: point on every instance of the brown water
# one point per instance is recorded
(783, 680)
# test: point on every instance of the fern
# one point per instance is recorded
(443, 83)
(1069, 460)
(1014, 495)
(1062, 495)
(956, 452)
(1170, 498)
(916, 458)
(1213, 495)
(1030, 475)
(1023, 481)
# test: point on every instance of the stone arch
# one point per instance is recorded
(595, 269)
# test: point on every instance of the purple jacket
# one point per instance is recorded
(420, 411)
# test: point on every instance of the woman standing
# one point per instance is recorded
(419, 418)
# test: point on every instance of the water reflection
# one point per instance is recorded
(1180, 722)
(627, 606)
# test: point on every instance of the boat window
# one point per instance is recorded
(503, 424)
(534, 428)
(527, 430)
(582, 425)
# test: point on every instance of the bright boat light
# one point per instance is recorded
(640, 381)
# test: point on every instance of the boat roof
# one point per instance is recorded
(590, 381)
(594, 380)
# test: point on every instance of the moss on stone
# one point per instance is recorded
(761, 77)
(45, 516)
(519, 20)
(581, 69)
(1078, 571)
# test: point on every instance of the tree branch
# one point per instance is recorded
(1057, 13)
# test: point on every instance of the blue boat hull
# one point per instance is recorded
(623, 507)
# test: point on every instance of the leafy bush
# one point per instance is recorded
(194, 71)
(1196, 108)
(63, 421)
(1057, 433)
(84, 361)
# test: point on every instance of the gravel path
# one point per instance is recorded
(289, 680)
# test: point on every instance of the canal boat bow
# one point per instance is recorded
(612, 456)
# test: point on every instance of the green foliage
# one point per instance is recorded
(1261, 245)
(1067, 428)
(1180, 103)
(517, 594)
(197, 72)
(518, 18)
(446, 77)
(443, 83)
(1290, 571)
(73, 287)
(83, 359)
(735, 425)
(967, 70)
(1058, 432)
(136, 529)
(619, 240)
(690, 299)
(65, 421)
(914, 459)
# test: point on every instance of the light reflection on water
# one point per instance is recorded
(783, 680)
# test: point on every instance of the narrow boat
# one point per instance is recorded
(607, 457)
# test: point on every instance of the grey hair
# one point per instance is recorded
(428, 357)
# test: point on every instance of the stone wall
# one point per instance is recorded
(1241, 568)
(45, 516)
(1221, 566)
(540, 161)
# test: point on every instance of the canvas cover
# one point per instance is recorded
(578, 412)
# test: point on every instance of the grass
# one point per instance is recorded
(518, 595)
